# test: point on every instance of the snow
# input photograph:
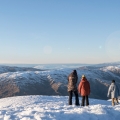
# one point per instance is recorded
(110, 68)
(23, 76)
(57, 75)
(55, 108)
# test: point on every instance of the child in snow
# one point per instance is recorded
(84, 90)
(114, 91)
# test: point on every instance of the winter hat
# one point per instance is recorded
(83, 76)
(113, 81)
(74, 71)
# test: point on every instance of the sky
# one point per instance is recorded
(59, 31)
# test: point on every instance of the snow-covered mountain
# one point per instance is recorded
(16, 81)
(55, 108)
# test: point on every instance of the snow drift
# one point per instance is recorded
(55, 108)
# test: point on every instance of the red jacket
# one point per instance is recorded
(84, 87)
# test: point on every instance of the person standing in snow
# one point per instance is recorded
(114, 91)
(84, 90)
(72, 87)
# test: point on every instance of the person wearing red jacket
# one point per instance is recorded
(84, 90)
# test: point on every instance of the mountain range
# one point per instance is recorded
(20, 81)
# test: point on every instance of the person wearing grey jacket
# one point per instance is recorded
(114, 91)
(72, 87)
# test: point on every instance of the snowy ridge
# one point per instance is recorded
(27, 81)
(35, 76)
(58, 66)
(5, 69)
(55, 108)
(111, 68)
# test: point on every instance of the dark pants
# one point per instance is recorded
(85, 98)
(76, 97)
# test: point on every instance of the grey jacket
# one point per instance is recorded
(72, 82)
(113, 90)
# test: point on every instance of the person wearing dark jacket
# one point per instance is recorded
(114, 91)
(72, 87)
(84, 90)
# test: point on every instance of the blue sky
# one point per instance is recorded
(59, 31)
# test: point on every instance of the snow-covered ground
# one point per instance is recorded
(55, 108)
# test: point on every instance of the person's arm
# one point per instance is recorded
(68, 77)
(109, 90)
(79, 87)
(76, 79)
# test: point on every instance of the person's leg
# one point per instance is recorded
(87, 101)
(116, 101)
(70, 98)
(83, 101)
(76, 98)
(113, 103)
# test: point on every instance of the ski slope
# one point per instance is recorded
(55, 108)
